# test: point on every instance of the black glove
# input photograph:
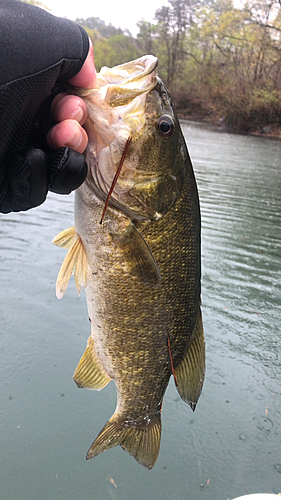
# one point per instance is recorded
(37, 52)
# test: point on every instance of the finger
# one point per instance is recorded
(66, 106)
(68, 133)
(67, 171)
(87, 76)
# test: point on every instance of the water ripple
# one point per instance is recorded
(232, 442)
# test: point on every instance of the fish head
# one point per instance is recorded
(131, 119)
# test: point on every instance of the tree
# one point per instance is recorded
(145, 36)
(95, 23)
(217, 60)
(114, 50)
(172, 23)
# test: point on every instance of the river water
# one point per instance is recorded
(231, 445)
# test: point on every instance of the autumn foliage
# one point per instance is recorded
(219, 61)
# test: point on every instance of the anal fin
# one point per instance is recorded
(89, 373)
(75, 262)
(191, 370)
(143, 443)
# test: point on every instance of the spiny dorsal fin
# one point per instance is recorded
(89, 373)
(143, 443)
(75, 262)
(138, 254)
(191, 370)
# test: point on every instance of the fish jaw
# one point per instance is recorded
(129, 72)
(120, 84)
(119, 100)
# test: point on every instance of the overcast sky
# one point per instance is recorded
(120, 13)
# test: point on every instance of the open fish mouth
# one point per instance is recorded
(118, 85)
(130, 71)
(124, 82)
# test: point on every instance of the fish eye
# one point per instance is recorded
(165, 126)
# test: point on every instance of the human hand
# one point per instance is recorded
(70, 112)
(42, 52)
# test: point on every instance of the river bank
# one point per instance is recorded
(217, 122)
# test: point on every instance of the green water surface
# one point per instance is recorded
(231, 445)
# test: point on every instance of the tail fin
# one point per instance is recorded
(142, 443)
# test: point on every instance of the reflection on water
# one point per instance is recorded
(231, 445)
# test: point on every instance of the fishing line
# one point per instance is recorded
(124, 154)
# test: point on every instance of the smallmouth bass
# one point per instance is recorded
(137, 253)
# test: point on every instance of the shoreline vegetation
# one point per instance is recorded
(272, 131)
(221, 64)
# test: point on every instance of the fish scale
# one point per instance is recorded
(141, 266)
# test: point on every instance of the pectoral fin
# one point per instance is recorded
(66, 238)
(138, 254)
(75, 261)
(89, 373)
(190, 372)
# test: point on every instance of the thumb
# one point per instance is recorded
(87, 76)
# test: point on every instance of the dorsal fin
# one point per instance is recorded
(75, 262)
(191, 370)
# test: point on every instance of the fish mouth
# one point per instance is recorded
(126, 81)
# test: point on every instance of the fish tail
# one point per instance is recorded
(143, 443)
